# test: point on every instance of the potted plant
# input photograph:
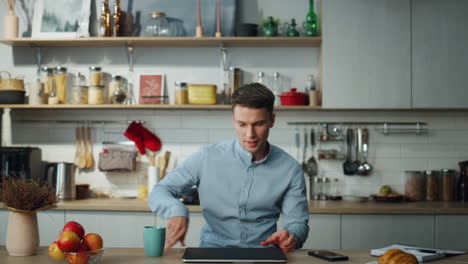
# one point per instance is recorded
(23, 198)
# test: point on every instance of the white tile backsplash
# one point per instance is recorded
(184, 131)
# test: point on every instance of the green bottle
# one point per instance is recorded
(310, 25)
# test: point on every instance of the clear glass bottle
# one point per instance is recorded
(157, 25)
(276, 87)
(325, 188)
(335, 190)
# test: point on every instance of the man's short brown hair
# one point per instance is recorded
(253, 95)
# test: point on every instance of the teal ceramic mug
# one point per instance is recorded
(153, 240)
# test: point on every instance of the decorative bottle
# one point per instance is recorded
(117, 20)
(310, 25)
(105, 29)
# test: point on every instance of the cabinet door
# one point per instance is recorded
(366, 54)
(452, 232)
(118, 229)
(324, 232)
(50, 225)
(192, 238)
(3, 225)
(374, 231)
(440, 53)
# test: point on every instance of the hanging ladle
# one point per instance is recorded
(365, 168)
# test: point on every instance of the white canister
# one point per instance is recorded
(10, 26)
(153, 173)
(36, 93)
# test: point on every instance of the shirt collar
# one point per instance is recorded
(246, 156)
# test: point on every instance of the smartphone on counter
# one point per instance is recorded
(327, 255)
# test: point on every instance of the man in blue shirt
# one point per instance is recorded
(243, 184)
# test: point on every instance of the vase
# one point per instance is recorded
(22, 236)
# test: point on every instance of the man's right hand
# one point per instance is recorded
(176, 228)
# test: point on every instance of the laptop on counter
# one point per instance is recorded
(267, 254)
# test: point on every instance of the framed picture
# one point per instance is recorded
(151, 88)
(61, 19)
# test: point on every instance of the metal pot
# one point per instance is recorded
(61, 177)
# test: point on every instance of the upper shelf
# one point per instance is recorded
(166, 42)
(145, 106)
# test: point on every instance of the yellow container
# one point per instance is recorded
(202, 94)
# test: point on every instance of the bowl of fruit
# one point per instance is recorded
(74, 247)
(387, 194)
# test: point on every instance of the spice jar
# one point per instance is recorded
(415, 183)
(117, 95)
(235, 75)
(432, 185)
(96, 95)
(61, 84)
(317, 189)
(448, 185)
(95, 76)
(181, 93)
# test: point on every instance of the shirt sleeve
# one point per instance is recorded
(162, 199)
(295, 208)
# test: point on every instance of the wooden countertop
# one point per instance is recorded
(315, 207)
(137, 255)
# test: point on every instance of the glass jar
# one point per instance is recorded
(79, 91)
(181, 93)
(96, 95)
(95, 76)
(317, 189)
(432, 185)
(156, 25)
(448, 185)
(61, 84)
(47, 78)
(234, 79)
(325, 188)
(335, 190)
(117, 94)
(415, 183)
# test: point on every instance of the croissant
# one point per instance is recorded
(397, 256)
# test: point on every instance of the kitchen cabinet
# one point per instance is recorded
(118, 229)
(324, 231)
(451, 231)
(50, 224)
(439, 41)
(192, 238)
(3, 225)
(374, 231)
(366, 54)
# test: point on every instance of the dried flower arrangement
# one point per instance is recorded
(21, 195)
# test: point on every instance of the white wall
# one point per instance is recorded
(183, 132)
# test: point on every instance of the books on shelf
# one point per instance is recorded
(421, 253)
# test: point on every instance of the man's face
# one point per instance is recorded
(252, 128)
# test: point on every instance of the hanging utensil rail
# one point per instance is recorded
(386, 128)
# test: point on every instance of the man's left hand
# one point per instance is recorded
(281, 239)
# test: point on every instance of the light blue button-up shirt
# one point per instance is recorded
(241, 200)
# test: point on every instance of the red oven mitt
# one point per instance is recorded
(143, 138)
(134, 133)
(150, 140)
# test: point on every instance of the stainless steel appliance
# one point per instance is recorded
(61, 177)
(21, 162)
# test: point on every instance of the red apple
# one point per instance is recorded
(68, 241)
(93, 241)
(74, 227)
(55, 252)
(79, 257)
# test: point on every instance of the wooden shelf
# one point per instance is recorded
(167, 42)
(147, 106)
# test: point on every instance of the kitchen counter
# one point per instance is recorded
(315, 207)
(137, 255)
